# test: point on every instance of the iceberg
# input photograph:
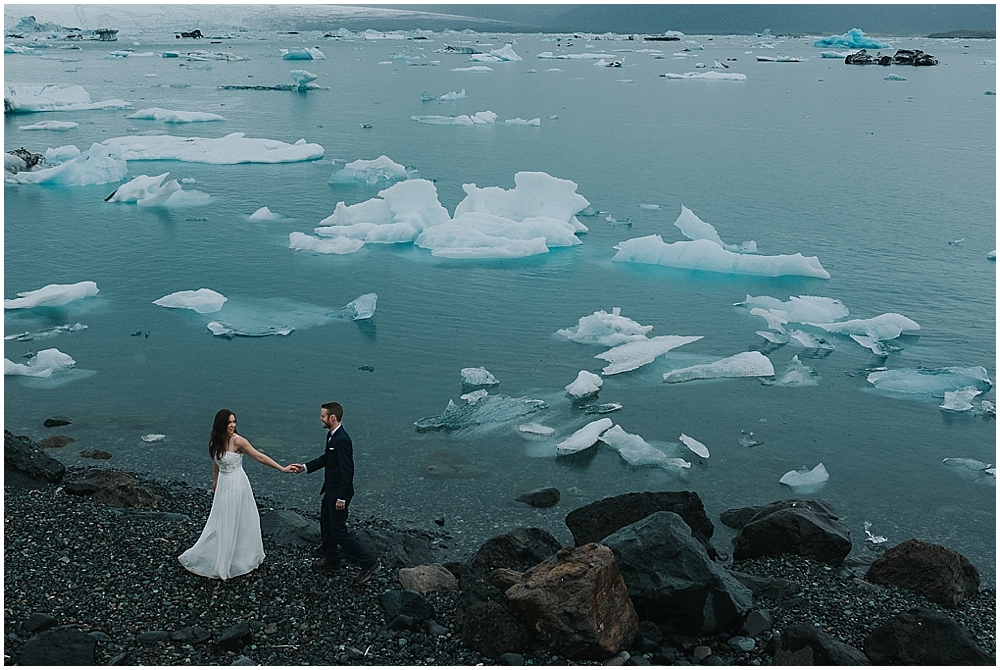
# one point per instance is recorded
(264, 214)
(635, 354)
(797, 309)
(535, 195)
(43, 364)
(53, 295)
(98, 165)
(337, 245)
(853, 38)
(361, 308)
(694, 228)
(26, 98)
(805, 480)
(960, 400)
(382, 169)
(548, 55)
(473, 68)
(934, 382)
(883, 327)
(148, 191)
(694, 445)
(608, 330)
(220, 329)
(203, 301)
(303, 79)
(489, 411)
(228, 150)
(152, 437)
(524, 122)
(307, 53)
(536, 429)
(586, 384)
(454, 95)
(477, 119)
(171, 116)
(636, 451)
(475, 396)
(709, 76)
(50, 125)
(584, 438)
(746, 364)
(796, 374)
(61, 154)
(478, 377)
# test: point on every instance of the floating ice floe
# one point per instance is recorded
(228, 150)
(895, 77)
(635, 354)
(50, 125)
(960, 400)
(805, 480)
(694, 445)
(147, 191)
(152, 437)
(304, 79)
(586, 384)
(780, 59)
(706, 76)
(504, 54)
(98, 165)
(264, 214)
(361, 308)
(548, 55)
(883, 327)
(379, 171)
(636, 451)
(492, 410)
(53, 295)
(797, 309)
(125, 53)
(853, 38)
(608, 330)
(202, 55)
(478, 377)
(337, 245)
(202, 301)
(584, 438)
(220, 329)
(473, 68)
(172, 116)
(307, 53)
(25, 98)
(992, 255)
(62, 154)
(705, 251)
(973, 470)
(934, 382)
(45, 333)
(874, 539)
(745, 364)
(603, 408)
(836, 54)
(475, 396)
(42, 364)
(523, 122)
(536, 429)
(450, 95)
(477, 119)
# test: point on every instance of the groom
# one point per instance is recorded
(338, 489)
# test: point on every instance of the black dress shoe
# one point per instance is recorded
(322, 566)
(368, 573)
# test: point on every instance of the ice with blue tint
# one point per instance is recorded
(524, 122)
(795, 374)
(24, 98)
(706, 76)
(52, 295)
(960, 400)
(228, 150)
(493, 411)
(337, 245)
(584, 438)
(263, 214)
(694, 445)
(694, 228)
(304, 79)
(262, 317)
(932, 382)
(43, 364)
(61, 154)
(477, 119)
(608, 330)
(745, 364)
(883, 327)
(808, 340)
(173, 116)
(202, 301)
(306, 53)
(636, 451)
(478, 377)
(535, 194)
(853, 38)
(635, 354)
(806, 480)
(50, 125)
(970, 469)
(585, 385)
(100, 164)
(380, 170)
(361, 308)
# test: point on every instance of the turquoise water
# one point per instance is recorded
(873, 177)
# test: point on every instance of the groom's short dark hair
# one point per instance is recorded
(335, 409)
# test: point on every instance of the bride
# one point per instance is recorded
(230, 544)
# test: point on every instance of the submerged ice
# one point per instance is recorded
(52, 295)
(932, 382)
(635, 354)
(488, 411)
(636, 451)
(746, 364)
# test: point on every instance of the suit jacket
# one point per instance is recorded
(338, 461)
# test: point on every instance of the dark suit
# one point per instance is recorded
(338, 484)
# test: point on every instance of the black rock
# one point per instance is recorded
(518, 550)
(594, 522)
(54, 421)
(23, 456)
(939, 573)
(99, 636)
(492, 630)
(432, 627)
(713, 660)
(739, 517)
(644, 645)
(286, 528)
(410, 603)
(775, 589)
(153, 636)
(651, 631)
(119, 659)
(510, 659)
(116, 489)
(803, 644)
(38, 622)
(191, 634)
(59, 646)
(922, 636)
(401, 622)
(235, 637)
(757, 622)
(800, 527)
(397, 548)
(544, 497)
(666, 656)
(55, 441)
(243, 660)
(95, 454)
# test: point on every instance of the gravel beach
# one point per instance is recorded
(114, 573)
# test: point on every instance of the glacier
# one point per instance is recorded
(745, 364)
(42, 364)
(53, 295)
(608, 330)
(635, 354)
(203, 301)
(98, 165)
(585, 385)
(228, 150)
(584, 438)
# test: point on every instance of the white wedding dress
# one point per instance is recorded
(230, 545)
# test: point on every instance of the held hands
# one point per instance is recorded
(293, 468)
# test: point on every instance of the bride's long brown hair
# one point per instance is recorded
(220, 434)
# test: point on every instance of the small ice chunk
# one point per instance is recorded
(992, 255)
(306, 53)
(361, 308)
(694, 445)
(137, 189)
(152, 437)
(988, 408)
(876, 347)
(874, 539)
(264, 214)
(966, 464)
(50, 125)
(379, 170)
(796, 374)
(745, 364)
(882, 327)
(43, 364)
(747, 439)
(524, 122)
(302, 78)
(479, 118)
(895, 77)
(960, 400)
(172, 116)
(586, 384)
(605, 329)
(712, 76)
(632, 355)
(475, 396)
(636, 451)
(335, 245)
(603, 408)
(584, 438)
(489, 411)
(203, 301)
(53, 295)
(808, 340)
(798, 309)
(536, 429)
(473, 68)
(805, 480)
(649, 205)
(478, 377)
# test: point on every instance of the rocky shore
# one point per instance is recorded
(92, 569)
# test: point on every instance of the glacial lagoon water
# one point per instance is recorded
(891, 184)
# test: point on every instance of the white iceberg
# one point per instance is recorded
(98, 165)
(524, 122)
(635, 354)
(548, 55)
(636, 451)
(382, 169)
(608, 330)
(61, 154)
(775, 319)
(148, 191)
(228, 150)
(454, 95)
(306, 53)
(694, 445)
(203, 301)
(152, 437)
(478, 377)
(808, 340)
(361, 308)
(933, 382)
(960, 400)
(264, 214)
(172, 116)
(43, 364)
(694, 228)
(24, 98)
(304, 79)
(336, 245)
(805, 480)
(536, 429)
(53, 295)
(797, 309)
(745, 364)
(883, 327)
(535, 195)
(473, 68)
(584, 438)
(50, 125)
(586, 384)
(477, 119)
(475, 396)
(710, 76)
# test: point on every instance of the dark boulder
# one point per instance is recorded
(517, 550)
(38, 622)
(409, 603)
(942, 575)
(545, 497)
(924, 637)
(191, 634)
(59, 646)
(397, 547)
(235, 637)
(24, 457)
(115, 489)
(799, 527)
(594, 522)
(739, 517)
(96, 454)
(764, 587)
(672, 581)
(55, 421)
(490, 629)
(55, 441)
(286, 528)
(803, 644)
